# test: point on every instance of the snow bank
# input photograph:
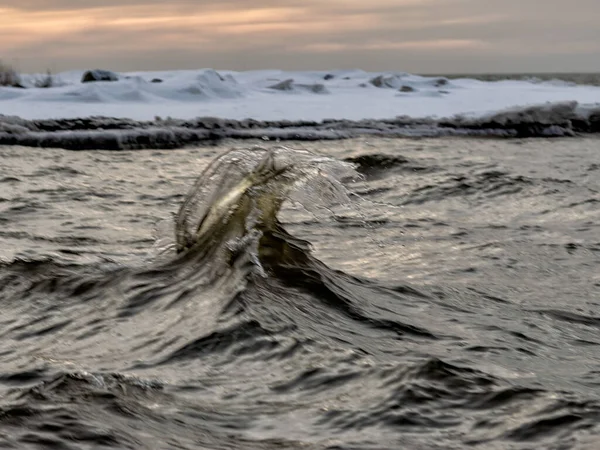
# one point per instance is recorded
(273, 95)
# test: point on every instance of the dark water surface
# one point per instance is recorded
(453, 303)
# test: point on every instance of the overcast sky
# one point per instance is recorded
(427, 36)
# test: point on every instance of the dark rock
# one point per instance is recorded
(156, 80)
(285, 85)
(441, 82)
(378, 81)
(316, 88)
(289, 85)
(406, 88)
(594, 123)
(385, 81)
(329, 76)
(99, 75)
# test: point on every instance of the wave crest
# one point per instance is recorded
(241, 192)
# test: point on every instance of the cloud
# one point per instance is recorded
(420, 34)
(424, 45)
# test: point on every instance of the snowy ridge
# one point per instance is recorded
(273, 95)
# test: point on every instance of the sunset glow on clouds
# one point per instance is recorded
(412, 35)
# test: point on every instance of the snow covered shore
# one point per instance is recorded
(171, 109)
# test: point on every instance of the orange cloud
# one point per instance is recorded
(172, 27)
(23, 27)
(383, 45)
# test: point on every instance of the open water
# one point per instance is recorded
(443, 295)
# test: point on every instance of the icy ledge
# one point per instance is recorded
(560, 119)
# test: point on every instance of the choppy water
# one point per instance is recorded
(450, 299)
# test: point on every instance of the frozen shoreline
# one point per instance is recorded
(178, 108)
(549, 120)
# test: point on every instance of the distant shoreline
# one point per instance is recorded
(584, 78)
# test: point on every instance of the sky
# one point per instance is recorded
(419, 36)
